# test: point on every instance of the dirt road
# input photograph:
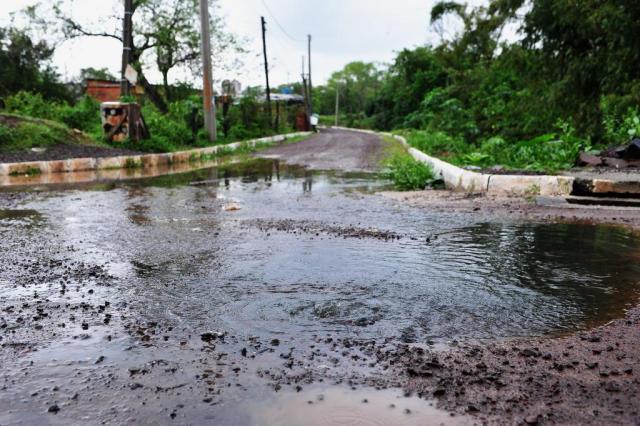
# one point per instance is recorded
(333, 150)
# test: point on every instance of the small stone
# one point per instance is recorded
(53, 409)
(531, 420)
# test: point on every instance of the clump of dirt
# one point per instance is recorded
(292, 226)
(586, 378)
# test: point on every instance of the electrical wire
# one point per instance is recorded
(264, 3)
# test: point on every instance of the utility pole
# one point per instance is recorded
(266, 66)
(127, 38)
(305, 93)
(337, 101)
(310, 85)
(207, 89)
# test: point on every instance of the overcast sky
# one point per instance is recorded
(342, 31)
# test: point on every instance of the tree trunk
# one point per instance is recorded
(152, 93)
(165, 83)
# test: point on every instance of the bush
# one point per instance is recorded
(547, 153)
(437, 144)
(409, 174)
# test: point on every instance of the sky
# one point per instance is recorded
(342, 31)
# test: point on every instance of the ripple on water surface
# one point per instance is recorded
(447, 277)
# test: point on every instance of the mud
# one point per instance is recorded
(333, 150)
(148, 302)
(496, 208)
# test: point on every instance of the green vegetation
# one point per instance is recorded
(547, 153)
(406, 173)
(20, 134)
(31, 89)
(409, 174)
(169, 132)
(482, 98)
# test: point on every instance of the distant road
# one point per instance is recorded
(333, 150)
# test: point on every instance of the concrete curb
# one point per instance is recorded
(133, 162)
(459, 179)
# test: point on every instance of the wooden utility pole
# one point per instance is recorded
(310, 85)
(207, 89)
(305, 93)
(127, 38)
(266, 66)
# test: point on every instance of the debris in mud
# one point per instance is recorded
(334, 229)
(231, 207)
(211, 336)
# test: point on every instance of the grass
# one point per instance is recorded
(31, 171)
(406, 173)
(409, 174)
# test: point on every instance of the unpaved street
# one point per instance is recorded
(333, 150)
(266, 293)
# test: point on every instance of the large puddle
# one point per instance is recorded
(278, 254)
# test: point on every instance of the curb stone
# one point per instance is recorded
(123, 162)
(459, 179)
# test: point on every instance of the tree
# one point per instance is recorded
(165, 37)
(96, 74)
(25, 65)
(357, 84)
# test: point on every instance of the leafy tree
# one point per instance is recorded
(166, 36)
(25, 65)
(96, 74)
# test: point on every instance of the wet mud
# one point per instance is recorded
(321, 297)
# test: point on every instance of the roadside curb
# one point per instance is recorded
(459, 179)
(54, 171)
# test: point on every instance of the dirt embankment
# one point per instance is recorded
(56, 142)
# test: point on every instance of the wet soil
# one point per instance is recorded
(333, 150)
(150, 302)
(63, 152)
(492, 208)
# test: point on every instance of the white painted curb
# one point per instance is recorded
(135, 161)
(459, 179)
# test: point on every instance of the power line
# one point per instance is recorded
(264, 3)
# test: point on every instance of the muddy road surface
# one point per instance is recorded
(333, 150)
(269, 293)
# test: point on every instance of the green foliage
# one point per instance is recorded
(408, 174)
(26, 65)
(438, 144)
(620, 128)
(546, 153)
(27, 135)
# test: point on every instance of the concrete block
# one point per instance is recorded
(109, 163)
(181, 157)
(81, 164)
(512, 185)
(30, 168)
(164, 159)
(59, 166)
(149, 160)
(601, 186)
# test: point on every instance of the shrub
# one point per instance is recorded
(408, 174)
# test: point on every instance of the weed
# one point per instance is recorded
(408, 173)
(31, 171)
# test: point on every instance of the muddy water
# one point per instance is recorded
(224, 284)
